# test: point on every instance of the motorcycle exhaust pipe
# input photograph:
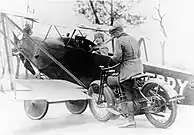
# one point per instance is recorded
(158, 115)
(113, 111)
(176, 98)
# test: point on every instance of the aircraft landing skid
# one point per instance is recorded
(36, 102)
(37, 109)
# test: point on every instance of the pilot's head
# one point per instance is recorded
(98, 38)
(116, 30)
(28, 29)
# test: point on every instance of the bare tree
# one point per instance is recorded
(107, 11)
(163, 30)
(160, 20)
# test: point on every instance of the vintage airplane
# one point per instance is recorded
(70, 59)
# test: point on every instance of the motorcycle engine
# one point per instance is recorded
(137, 106)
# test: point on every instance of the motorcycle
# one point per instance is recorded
(152, 97)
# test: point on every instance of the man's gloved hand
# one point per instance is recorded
(111, 62)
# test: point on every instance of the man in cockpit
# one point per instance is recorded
(100, 47)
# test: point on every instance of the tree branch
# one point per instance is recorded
(99, 11)
(94, 11)
(160, 20)
(106, 9)
(155, 19)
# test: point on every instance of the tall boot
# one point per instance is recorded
(130, 120)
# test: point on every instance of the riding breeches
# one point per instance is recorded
(127, 87)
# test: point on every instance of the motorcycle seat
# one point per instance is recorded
(113, 80)
(140, 75)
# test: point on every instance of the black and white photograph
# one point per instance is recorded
(96, 67)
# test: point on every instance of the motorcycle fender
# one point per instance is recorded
(169, 90)
(95, 82)
(107, 92)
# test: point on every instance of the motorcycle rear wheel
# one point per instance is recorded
(172, 106)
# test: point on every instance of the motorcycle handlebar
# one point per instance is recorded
(109, 68)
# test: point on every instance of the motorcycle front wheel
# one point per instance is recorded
(162, 114)
(99, 111)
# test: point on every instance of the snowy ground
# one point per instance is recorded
(58, 121)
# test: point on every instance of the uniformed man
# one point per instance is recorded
(127, 53)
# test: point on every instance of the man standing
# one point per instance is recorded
(127, 53)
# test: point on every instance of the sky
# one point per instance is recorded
(178, 23)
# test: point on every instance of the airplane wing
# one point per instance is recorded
(50, 90)
(93, 28)
(20, 15)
